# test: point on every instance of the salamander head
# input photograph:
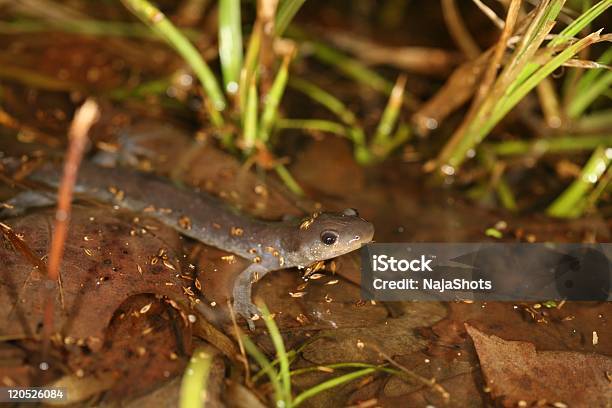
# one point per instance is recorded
(329, 235)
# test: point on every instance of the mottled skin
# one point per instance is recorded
(269, 245)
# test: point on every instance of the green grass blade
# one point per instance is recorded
(497, 182)
(505, 195)
(568, 34)
(401, 136)
(602, 119)
(230, 43)
(250, 118)
(98, 28)
(391, 113)
(605, 182)
(501, 108)
(326, 99)
(558, 144)
(288, 179)
(334, 382)
(521, 66)
(486, 119)
(266, 367)
(582, 100)
(195, 379)
(281, 353)
(291, 355)
(273, 99)
(319, 125)
(591, 75)
(336, 366)
(286, 11)
(350, 67)
(362, 153)
(249, 69)
(158, 22)
(511, 100)
(35, 79)
(580, 23)
(533, 37)
(571, 203)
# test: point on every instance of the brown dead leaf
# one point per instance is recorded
(516, 372)
(146, 344)
(107, 260)
(568, 328)
(395, 336)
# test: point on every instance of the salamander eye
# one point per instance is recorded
(329, 237)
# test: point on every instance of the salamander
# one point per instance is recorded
(268, 245)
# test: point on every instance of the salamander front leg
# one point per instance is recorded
(242, 292)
